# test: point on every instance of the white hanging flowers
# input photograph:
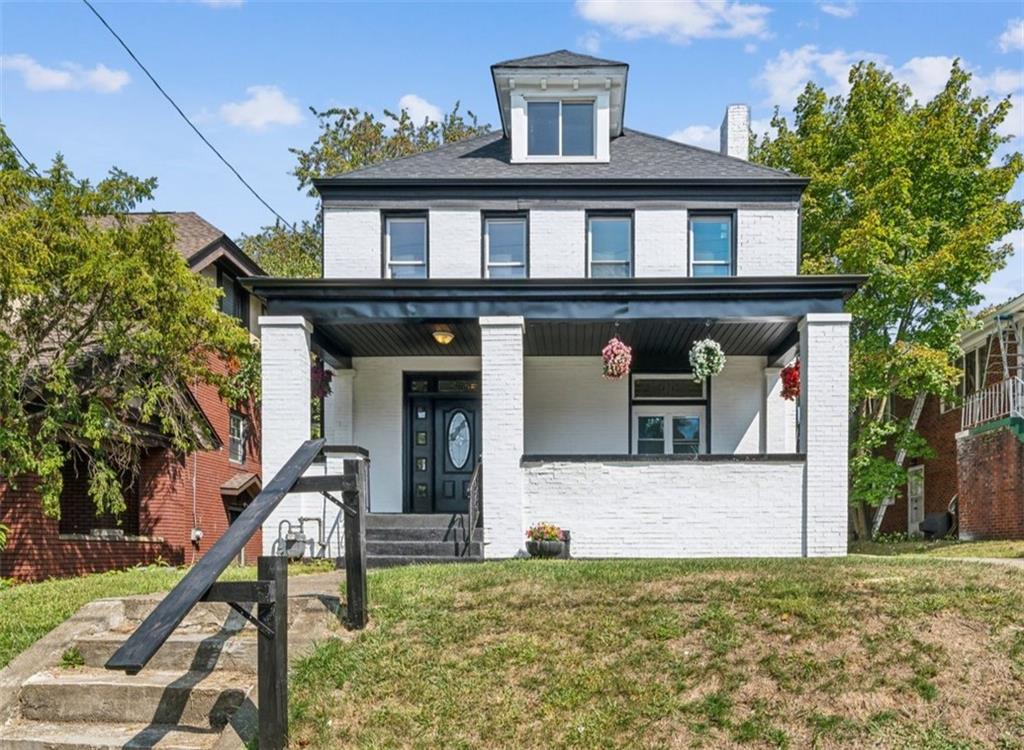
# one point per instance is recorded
(706, 359)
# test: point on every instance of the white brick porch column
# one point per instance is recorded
(284, 350)
(779, 422)
(501, 365)
(824, 433)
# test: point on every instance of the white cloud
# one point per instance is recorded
(750, 48)
(590, 42)
(840, 9)
(704, 136)
(68, 77)
(1012, 37)
(679, 21)
(221, 3)
(420, 109)
(266, 105)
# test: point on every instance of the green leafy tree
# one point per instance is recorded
(909, 194)
(349, 139)
(102, 328)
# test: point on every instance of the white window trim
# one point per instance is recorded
(629, 251)
(912, 528)
(709, 217)
(244, 421)
(667, 413)
(560, 157)
(488, 263)
(389, 264)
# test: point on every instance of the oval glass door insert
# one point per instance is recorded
(458, 439)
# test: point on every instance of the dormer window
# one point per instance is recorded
(560, 128)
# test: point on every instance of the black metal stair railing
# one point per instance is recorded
(269, 592)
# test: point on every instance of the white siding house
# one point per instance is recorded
(467, 295)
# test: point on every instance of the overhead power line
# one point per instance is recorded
(185, 117)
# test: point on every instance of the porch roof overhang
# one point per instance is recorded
(388, 317)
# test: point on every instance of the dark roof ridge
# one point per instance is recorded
(551, 60)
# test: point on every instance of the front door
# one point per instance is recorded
(442, 440)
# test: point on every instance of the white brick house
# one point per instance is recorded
(530, 247)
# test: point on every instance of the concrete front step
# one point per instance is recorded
(414, 520)
(196, 652)
(421, 548)
(88, 694)
(212, 617)
(390, 561)
(33, 735)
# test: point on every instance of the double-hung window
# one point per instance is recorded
(610, 246)
(505, 247)
(711, 244)
(237, 428)
(560, 128)
(669, 414)
(405, 247)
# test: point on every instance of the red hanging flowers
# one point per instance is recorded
(617, 358)
(320, 379)
(791, 381)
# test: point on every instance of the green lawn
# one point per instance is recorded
(31, 610)
(941, 548)
(857, 652)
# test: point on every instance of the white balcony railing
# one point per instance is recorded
(999, 400)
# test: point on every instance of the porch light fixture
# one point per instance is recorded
(443, 335)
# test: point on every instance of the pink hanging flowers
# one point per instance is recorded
(617, 358)
(320, 379)
(791, 381)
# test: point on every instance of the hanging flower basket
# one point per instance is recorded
(320, 379)
(707, 359)
(791, 381)
(617, 358)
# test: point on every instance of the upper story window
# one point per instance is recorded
(235, 301)
(237, 427)
(560, 128)
(405, 247)
(610, 246)
(711, 244)
(505, 247)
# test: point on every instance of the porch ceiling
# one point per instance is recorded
(652, 340)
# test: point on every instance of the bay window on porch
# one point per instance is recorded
(701, 468)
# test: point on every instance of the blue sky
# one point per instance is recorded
(247, 71)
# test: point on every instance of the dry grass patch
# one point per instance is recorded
(653, 654)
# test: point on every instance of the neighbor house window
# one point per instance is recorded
(235, 301)
(405, 241)
(610, 246)
(560, 128)
(237, 427)
(505, 247)
(711, 243)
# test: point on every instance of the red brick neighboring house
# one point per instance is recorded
(978, 441)
(179, 505)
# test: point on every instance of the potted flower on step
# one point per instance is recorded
(545, 540)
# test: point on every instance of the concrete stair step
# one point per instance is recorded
(88, 694)
(196, 652)
(209, 617)
(33, 735)
(421, 548)
(419, 534)
(413, 520)
(390, 561)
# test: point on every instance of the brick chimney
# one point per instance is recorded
(735, 133)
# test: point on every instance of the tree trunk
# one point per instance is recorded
(901, 456)
(860, 521)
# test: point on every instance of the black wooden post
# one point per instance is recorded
(273, 656)
(355, 543)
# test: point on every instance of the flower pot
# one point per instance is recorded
(544, 548)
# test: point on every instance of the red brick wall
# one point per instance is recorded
(36, 549)
(992, 485)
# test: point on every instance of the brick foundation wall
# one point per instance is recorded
(163, 520)
(992, 483)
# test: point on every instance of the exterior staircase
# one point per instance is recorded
(410, 538)
(197, 693)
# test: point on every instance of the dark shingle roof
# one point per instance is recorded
(634, 156)
(562, 58)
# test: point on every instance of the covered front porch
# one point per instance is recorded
(713, 468)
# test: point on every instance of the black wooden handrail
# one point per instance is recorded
(140, 647)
